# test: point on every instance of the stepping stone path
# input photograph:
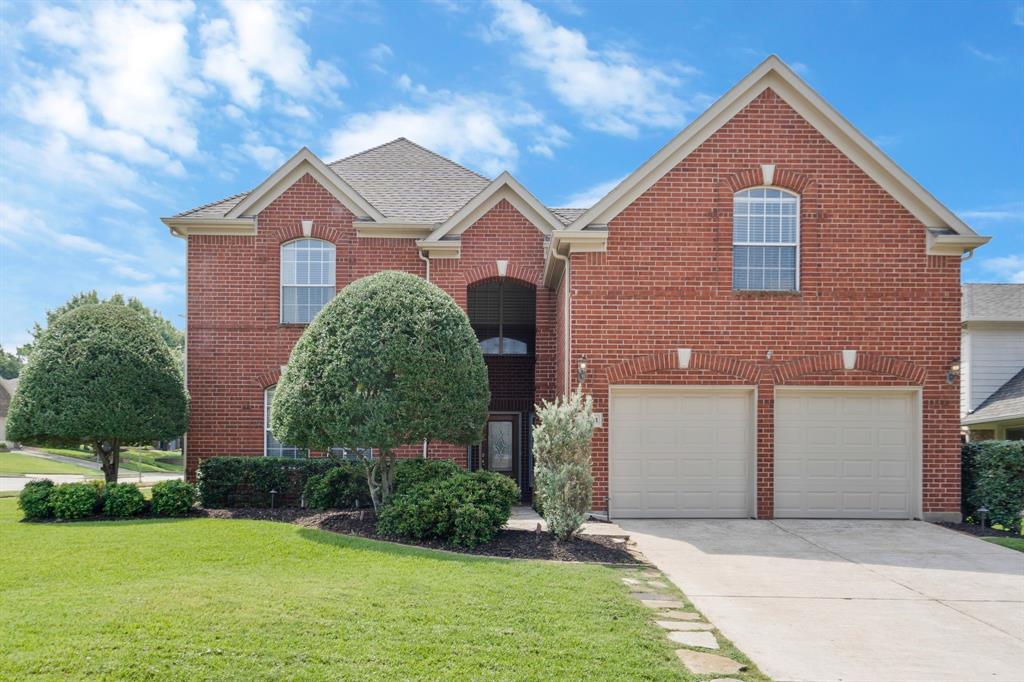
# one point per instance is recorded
(684, 627)
(705, 640)
(701, 663)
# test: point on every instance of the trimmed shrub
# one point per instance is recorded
(343, 487)
(993, 477)
(74, 500)
(464, 509)
(563, 482)
(247, 481)
(173, 498)
(123, 499)
(409, 473)
(34, 499)
(390, 361)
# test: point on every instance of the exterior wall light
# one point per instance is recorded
(581, 371)
(953, 372)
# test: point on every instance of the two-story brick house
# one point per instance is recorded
(765, 312)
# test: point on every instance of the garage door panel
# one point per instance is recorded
(845, 454)
(693, 457)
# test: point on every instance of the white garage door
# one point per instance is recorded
(846, 453)
(679, 453)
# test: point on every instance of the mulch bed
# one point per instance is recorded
(984, 532)
(509, 544)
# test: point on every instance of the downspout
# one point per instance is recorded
(967, 255)
(425, 259)
(568, 315)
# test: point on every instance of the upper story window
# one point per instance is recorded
(307, 279)
(765, 240)
(503, 316)
(271, 446)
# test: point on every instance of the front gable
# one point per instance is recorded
(944, 230)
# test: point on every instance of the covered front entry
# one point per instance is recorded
(846, 453)
(503, 314)
(681, 452)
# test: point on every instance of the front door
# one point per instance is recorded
(500, 449)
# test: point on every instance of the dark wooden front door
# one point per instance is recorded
(500, 450)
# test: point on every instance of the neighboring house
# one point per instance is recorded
(7, 388)
(992, 361)
(765, 312)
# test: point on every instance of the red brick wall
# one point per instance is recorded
(866, 284)
(236, 343)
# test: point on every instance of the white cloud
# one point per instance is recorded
(476, 130)
(611, 89)
(259, 43)
(591, 195)
(377, 55)
(1018, 15)
(266, 156)
(983, 55)
(1008, 268)
(800, 68)
(21, 227)
(1008, 212)
(134, 64)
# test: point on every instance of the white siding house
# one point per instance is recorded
(992, 355)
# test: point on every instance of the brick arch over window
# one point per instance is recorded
(754, 177)
(293, 231)
(656, 362)
(269, 378)
(515, 272)
(875, 363)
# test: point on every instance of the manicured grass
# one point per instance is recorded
(16, 464)
(261, 600)
(144, 459)
(1012, 543)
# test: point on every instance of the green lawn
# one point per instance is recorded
(1012, 543)
(144, 459)
(219, 599)
(16, 464)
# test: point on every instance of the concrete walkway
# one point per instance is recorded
(526, 518)
(850, 601)
(16, 483)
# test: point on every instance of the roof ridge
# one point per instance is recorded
(218, 201)
(418, 146)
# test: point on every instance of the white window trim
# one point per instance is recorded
(266, 426)
(796, 279)
(280, 275)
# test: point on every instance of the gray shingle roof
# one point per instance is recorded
(404, 181)
(1007, 402)
(992, 303)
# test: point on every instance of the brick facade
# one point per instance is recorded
(665, 282)
(866, 283)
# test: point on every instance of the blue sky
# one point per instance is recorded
(116, 114)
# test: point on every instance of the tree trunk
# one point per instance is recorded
(387, 475)
(109, 463)
(370, 466)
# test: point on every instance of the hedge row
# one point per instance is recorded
(993, 477)
(248, 481)
(44, 500)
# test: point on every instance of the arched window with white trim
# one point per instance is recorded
(272, 447)
(765, 240)
(307, 279)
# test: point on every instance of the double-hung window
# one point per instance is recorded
(272, 447)
(307, 279)
(765, 240)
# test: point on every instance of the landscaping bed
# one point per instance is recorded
(980, 531)
(509, 544)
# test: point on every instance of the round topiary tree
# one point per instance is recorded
(391, 361)
(100, 374)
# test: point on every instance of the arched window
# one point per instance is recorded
(307, 279)
(271, 446)
(765, 240)
(503, 316)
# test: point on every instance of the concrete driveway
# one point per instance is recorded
(850, 601)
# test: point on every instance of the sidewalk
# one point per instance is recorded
(526, 518)
(16, 483)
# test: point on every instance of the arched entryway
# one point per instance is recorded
(503, 314)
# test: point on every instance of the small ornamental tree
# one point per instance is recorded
(563, 481)
(391, 361)
(99, 374)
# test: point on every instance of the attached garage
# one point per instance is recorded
(847, 453)
(681, 452)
